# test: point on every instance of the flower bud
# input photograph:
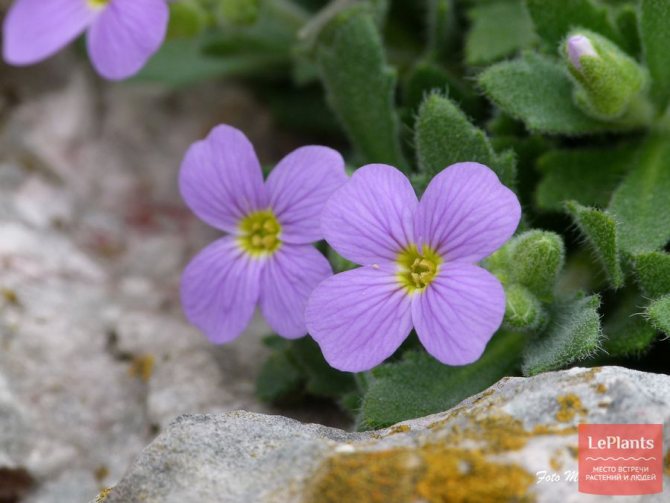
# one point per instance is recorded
(187, 19)
(523, 311)
(607, 79)
(240, 12)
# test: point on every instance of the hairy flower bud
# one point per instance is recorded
(607, 79)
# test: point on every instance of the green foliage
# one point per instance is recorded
(296, 368)
(360, 86)
(600, 230)
(444, 136)
(627, 331)
(538, 91)
(607, 83)
(499, 29)
(654, 22)
(658, 313)
(187, 19)
(588, 176)
(554, 19)
(239, 12)
(574, 333)
(442, 26)
(419, 385)
(523, 310)
(641, 205)
(653, 273)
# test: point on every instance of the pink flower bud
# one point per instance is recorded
(578, 46)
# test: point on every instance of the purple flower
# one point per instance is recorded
(122, 34)
(266, 258)
(418, 266)
(577, 47)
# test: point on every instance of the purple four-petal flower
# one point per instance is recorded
(267, 257)
(418, 266)
(122, 34)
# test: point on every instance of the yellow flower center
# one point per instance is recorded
(98, 4)
(418, 269)
(260, 233)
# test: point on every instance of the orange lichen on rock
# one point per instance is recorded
(568, 407)
(142, 367)
(601, 388)
(102, 496)
(432, 473)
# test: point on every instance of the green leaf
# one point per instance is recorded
(574, 333)
(279, 379)
(535, 260)
(499, 29)
(442, 26)
(419, 385)
(655, 35)
(553, 19)
(641, 205)
(444, 136)
(360, 85)
(588, 176)
(600, 230)
(187, 19)
(538, 91)
(653, 273)
(658, 313)
(627, 331)
(321, 379)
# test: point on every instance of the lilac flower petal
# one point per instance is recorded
(458, 313)
(36, 29)
(359, 317)
(221, 179)
(466, 213)
(125, 35)
(220, 289)
(288, 278)
(578, 46)
(299, 187)
(369, 219)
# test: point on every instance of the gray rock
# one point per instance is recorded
(490, 447)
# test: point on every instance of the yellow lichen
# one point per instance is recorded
(601, 388)
(432, 473)
(102, 496)
(400, 428)
(101, 473)
(10, 296)
(142, 367)
(568, 407)
(555, 462)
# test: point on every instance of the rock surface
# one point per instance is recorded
(95, 355)
(488, 448)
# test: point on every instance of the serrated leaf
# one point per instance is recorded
(360, 85)
(655, 35)
(588, 176)
(537, 91)
(574, 333)
(600, 230)
(444, 136)
(419, 385)
(653, 273)
(498, 29)
(627, 332)
(658, 313)
(554, 19)
(641, 205)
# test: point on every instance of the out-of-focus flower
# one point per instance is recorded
(122, 34)
(267, 258)
(418, 266)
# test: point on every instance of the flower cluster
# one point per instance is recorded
(418, 258)
(122, 34)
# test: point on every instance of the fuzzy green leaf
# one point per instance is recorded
(600, 231)
(627, 331)
(442, 26)
(360, 85)
(279, 378)
(658, 313)
(321, 379)
(554, 19)
(641, 205)
(653, 273)
(444, 136)
(499, 29)
(655, 35)
(574, 333)
(538, 91)
(419, 385)
(588, 176)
